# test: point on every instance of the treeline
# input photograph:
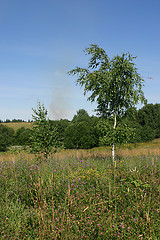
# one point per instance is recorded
(14, 121)
(85, 131)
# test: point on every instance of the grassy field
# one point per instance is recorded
(17, 125)
(81, 195)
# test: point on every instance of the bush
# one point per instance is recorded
(6, 138)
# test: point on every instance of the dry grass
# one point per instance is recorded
(14, 157)
(17, 125)
(130, 150)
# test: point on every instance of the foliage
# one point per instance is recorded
(113, 83)
(86, 132)
(108, 135)
(6, 137)
(80, 135)
(22, 136)
(17, 120)
(60, 126)
(149, 118)
(137, 131)
(81, 132)
(80, 198)
(44, 136)
(145, 121)
(82, 115)
(131, 114)
(147, 134)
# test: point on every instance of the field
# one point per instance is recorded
(81, 195)
(17, 125)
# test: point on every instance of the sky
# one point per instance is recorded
(41, 40)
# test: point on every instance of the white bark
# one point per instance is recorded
(113, 147)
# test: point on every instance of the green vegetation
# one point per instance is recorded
(73, 197)
(6, 137)
(80, 194)
(43, 136)
(114, 84)
(86, 131)
(81, 132)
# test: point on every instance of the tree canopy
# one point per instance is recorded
(114, 83)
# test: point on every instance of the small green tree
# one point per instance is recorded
(114, 83)
(44, 135)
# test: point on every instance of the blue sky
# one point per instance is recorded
(41, 40)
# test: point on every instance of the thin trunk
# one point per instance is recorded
(113, 147)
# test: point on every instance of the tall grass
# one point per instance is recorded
(80, 195)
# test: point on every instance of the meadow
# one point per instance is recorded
(80, 194)
(17, 125)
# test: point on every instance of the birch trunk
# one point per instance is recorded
(113, 147)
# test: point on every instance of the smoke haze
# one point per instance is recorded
(61, 106)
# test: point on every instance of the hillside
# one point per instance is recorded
(16, 125)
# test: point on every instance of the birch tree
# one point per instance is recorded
(113, 83)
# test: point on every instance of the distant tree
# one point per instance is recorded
(60, 126)
(131, 114)
(136, 129)
(80, 135)
(149, 119)
(147, 134)
(8, 121)
(81, 131)
(22, 136)
(6, 137)
(17, 120)
(81, 115)
(114, 83)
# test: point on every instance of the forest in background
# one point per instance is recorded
(84, 131)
